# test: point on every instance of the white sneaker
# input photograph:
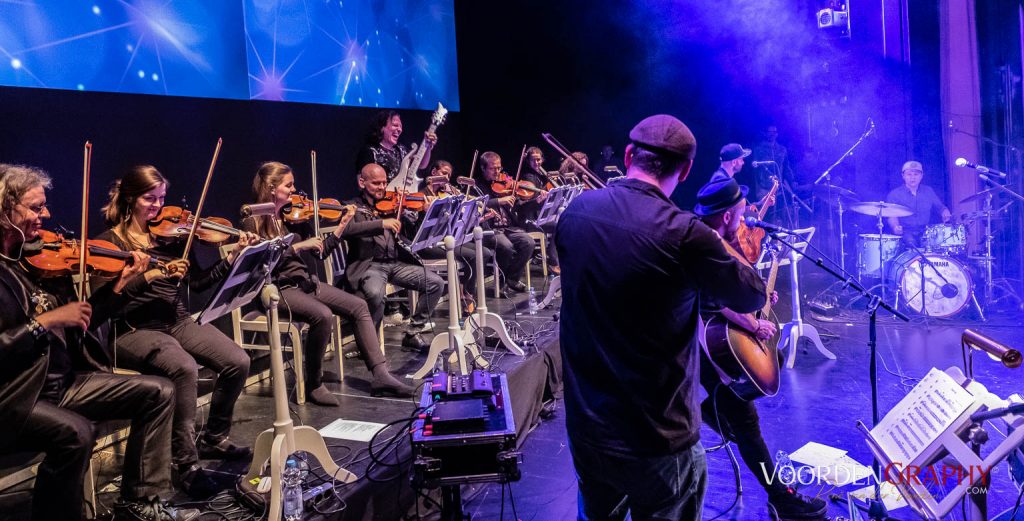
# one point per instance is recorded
(395, 319)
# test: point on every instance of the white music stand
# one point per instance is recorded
(250, 273)
(937, 393)
(795, 329)
(451, 221)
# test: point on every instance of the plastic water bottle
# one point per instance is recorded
(784, 470)
(291, 479)
(534, 305)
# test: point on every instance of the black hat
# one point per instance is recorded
(664, 134)
(733, 151)
(718, 196)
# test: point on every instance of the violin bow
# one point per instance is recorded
(202, 199)
(316, 197)
(588, 175)
(519, 170)
(83, 253)
(472, 168)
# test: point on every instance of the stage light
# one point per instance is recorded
(835, 19)
(971, 340)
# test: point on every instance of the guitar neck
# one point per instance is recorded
(764, 207)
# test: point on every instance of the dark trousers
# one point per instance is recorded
(66, 434)
(514, 248)
(467, 255)
(737, 421)
(318, 311)
(374, 282)
(669, 488)
(176, 355)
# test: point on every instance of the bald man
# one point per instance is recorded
(376, 256)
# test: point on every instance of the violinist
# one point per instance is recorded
(382, 146)
(465, 253)
(511, 244)
(529, 211)
(377, 256)
(155, 335)
(307, 299)
(51, 387)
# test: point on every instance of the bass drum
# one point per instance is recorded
(947, 287)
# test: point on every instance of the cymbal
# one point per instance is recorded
(881, 209)
(980, 196)
(835, 191)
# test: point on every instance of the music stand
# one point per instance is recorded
(549, 213)
(792, 331)
(251, 273)
(436, 221)
(445, 217)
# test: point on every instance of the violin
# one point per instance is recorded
(415, 201)
(174, 222)
(302, 209)
(59, 257)
(504, 185)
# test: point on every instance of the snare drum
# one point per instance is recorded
(873, 251)
(942, 296)
(946, 238)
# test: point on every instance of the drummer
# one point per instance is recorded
(920, 199)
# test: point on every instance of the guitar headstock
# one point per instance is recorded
(439, 115)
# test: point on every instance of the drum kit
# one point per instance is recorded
(932, 280)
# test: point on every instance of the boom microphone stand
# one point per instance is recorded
(876, 507)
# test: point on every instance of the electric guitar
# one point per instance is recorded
(407, 181)
(752, 364)
(750, 238)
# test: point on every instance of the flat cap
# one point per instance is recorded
(664, 134)
(912, 165)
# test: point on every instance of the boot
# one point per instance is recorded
(386, 383)
(322, 396)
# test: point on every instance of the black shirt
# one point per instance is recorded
(923, 204)
(719, 175)
(388, 158)
(295, 270)
(633, 267)
(160, 304)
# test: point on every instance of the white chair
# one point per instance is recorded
(541, 239)
(254, 322)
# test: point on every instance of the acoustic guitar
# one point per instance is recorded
(750, 238)
(752, 364)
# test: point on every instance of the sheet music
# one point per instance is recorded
(928, 410)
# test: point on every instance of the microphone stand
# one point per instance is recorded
(876, 508)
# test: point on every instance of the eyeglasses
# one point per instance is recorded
(38, 209)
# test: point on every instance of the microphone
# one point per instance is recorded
(961, 162)
(465, 181)
(754, 222)
(257, 209)
(757, 164)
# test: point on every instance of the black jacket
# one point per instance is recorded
(634, 269)
(24, 360)
(359, 235)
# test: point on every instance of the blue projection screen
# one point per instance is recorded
(371, 53)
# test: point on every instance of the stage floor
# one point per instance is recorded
(820, 401)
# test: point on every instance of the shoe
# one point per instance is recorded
(394, 319)
(415, 342)
(331, 376)
(352, 354)
(517, 286)
(385, 383)
(222, 449)
(321, 396)
(194, 481)
(791, 505)
(425, 327)
(151, 510)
